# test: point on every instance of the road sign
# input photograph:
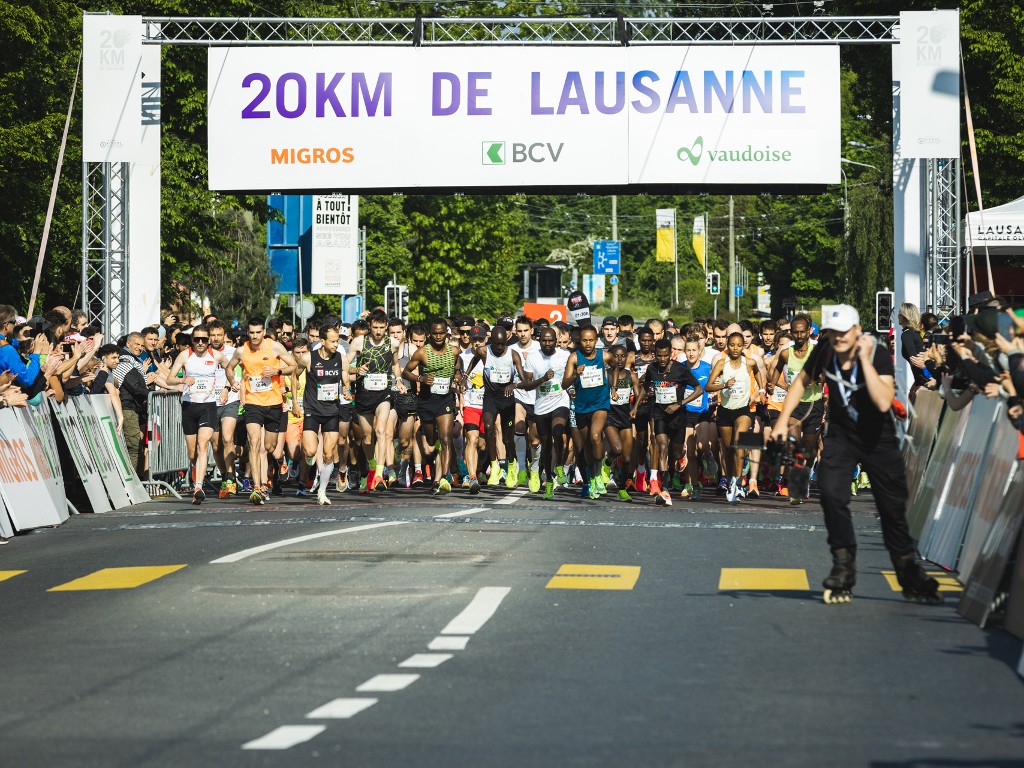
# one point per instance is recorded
(789, 303)
(614, 280)
(738, 290)
(607, 257)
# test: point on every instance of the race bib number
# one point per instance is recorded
(591, 376)
(779, 395)
(441, 386)
(620, 396)
(474, 398)
(328, 391)
(641, 369)
(665, 395)
(260, 384)
(203, 386)
(549, 388)
(501, 375)
(375, 382)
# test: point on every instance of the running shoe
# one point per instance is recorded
(710, 465)
(742, 494)
(495, 476)
(662, 499)
(371, 480)
(687, 491)
(560, 477)
(340, 482)
(863, 481)
(610, 483)
(853, 488)
(390, 476)
(677, 484)
(523, 479)
(752, 492)
(641, 482)
(223, 492)
(231, 487)
(549, 490)
(512, 477)
(443, 487)
(534, 482)
(417, 479)
(723, 485)
(732, 493)
(245, 485)
(303, 493)
(379, 482)
(256, 498)
(654, 487)
(352, 479)
(321, 498)
(606, 471)
(696, 493)
(624, 495)
(198, 495)
(681, 465)
(631, 486)
(794, 501)
(474, 485)
(597, 484)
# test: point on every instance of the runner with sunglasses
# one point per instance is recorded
(199, 400)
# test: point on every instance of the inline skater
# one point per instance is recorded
(861, 388)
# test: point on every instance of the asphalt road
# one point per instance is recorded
(495, 630)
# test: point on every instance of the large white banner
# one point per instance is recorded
(928, 71)
(328, 118)
(112, 88)
(335, 257)
(144, 202)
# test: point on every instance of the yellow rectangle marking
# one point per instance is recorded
(580, 576)
(947, 583)
(5, 575)
(763, 580)
(117, 578)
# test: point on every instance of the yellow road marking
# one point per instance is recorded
(5, 575)
(947, 583)
(763, 579)
(578, 576)
(117, 578)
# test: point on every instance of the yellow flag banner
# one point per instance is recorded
(666, 245)
(698, 240)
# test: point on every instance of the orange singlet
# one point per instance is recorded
(260, 389)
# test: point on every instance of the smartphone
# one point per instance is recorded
(68, 349)
(940, 338)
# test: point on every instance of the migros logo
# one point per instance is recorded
(312, 155)
(740, 155)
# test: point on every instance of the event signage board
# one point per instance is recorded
(102, 453)
(116, 448)
(25, 475)
(335, 262)
(73, 427)
(927, 65)
(112, 88)
(375, 117)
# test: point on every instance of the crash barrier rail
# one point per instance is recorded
(168, 452)
(54, 451)
(967, 501)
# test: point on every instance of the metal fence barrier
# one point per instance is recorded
(168, 452)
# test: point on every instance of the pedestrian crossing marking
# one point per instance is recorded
(763, 580)
(5, 575)
(947, 583)
(117, 578)
(580, 576)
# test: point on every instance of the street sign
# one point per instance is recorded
(738, 290)
(607, 257)
(614, 280)
(789, 303)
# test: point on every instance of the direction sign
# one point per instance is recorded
(738, 290)
(614, 281)
(607, 257)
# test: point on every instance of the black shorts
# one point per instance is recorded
(618, 417)
(693, 418)
(407, 405)
(528, 407)
(499, 405)
(673, 425)
(727, 416)
(583, 419)
(312, 422)
(811, 415)
(267, 416)
(368, 402)
(227, 411)
(644, 417)
(429, 408)
(196, 416)
(545, 420)
(346, 412)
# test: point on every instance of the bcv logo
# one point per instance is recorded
(495, 152)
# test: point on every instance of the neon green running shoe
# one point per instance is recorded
(549, 490)
(624, 495)
(560, 477)
(512, 479)
(534, 482)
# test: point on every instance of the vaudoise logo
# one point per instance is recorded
(742, 154)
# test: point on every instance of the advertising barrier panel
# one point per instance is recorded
(944, 529)
(981, 589)
(102, 453)
(917, 448)
(26, 480)
(1015, 602)
(380, 117)
(951, 432)
(73, 427)
(115, 446)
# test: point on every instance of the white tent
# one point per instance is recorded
(1000, 228)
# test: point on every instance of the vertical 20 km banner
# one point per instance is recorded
(353, 118)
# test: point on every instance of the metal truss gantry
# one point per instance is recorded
(105, 186)
(105, 246)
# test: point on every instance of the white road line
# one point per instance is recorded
(387, 683)
(450, 643)
(462, 512)
(513, 497)
(341, 709)
(426, 660)
(285, 737)
(477, 613)
(234, 558)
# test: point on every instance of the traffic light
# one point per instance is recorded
(391, 299)
(884, 302)
(403, 302)
(713, 283)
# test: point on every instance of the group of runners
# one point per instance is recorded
(445, 405)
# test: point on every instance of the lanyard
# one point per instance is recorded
(846, 388)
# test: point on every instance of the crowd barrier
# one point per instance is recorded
(53, 450)
(168, 453)
(967, 502)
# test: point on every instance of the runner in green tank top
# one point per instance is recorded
(437, 371)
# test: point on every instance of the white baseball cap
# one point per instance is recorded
(839, 317)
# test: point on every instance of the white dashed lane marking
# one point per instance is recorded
(478, 612)
(285, 737)
(448, 643)
(341, 709)
(387, 683)
(425, 660)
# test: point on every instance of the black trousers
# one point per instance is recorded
(884, 464)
